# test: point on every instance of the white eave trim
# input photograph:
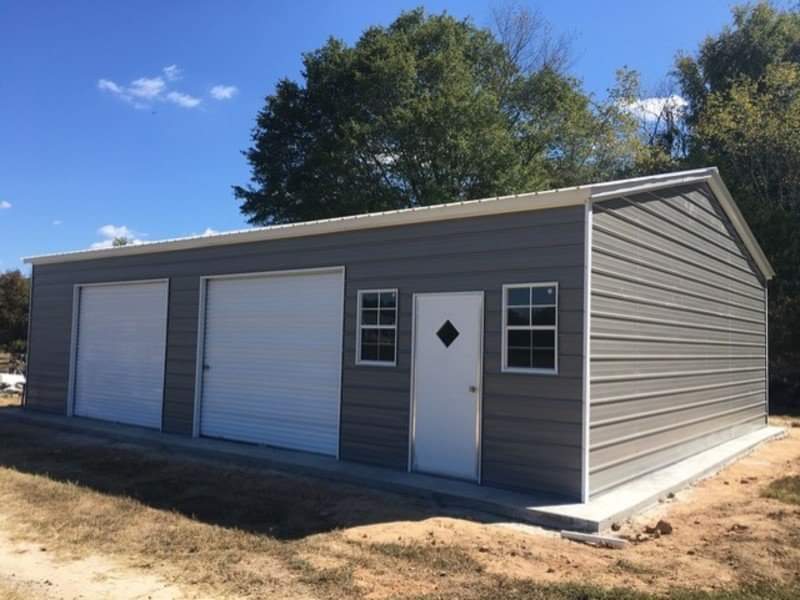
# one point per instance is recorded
(572, 196)
(723, 194)
(712, 177)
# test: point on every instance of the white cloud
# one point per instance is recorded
(5, 204)
(109, 86)
(209, 231)
(172, 72)
(111, 232)
(649, 109)
(224, 92)
(147, 87)
(183, 100)
(57, 222)
(144, 91)
(106, 85)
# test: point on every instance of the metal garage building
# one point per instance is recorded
(565, 341)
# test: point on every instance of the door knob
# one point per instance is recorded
(473, 389)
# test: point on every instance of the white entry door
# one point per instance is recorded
(120, 346)
(272, 359)
(446, 386)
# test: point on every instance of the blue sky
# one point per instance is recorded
(79, 154)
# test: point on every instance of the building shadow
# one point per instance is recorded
(260, 501)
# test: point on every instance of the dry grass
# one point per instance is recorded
(235, 532)
(785, 489)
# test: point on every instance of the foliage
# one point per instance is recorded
(432, 109)
(427, 110)
(760, 36)
(14, 288)
(120, 241)
(743, 89)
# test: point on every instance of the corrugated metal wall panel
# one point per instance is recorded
(481, 253)
(678, 333)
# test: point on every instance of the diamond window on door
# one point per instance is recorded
(447, 333)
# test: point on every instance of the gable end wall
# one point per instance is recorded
(678, 333)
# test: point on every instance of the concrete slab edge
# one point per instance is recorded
(629, 511)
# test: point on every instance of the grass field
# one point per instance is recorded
(207, 530)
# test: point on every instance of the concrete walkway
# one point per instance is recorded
(543, 510)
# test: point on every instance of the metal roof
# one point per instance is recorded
(439, 212)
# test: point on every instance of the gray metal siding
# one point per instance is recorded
(531, 423)
(678, 334)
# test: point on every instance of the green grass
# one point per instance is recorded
(785, 489)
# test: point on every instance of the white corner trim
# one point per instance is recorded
(587, 333)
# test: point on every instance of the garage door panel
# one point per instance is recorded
(273, 349)
(120, 352)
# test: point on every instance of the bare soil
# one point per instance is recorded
(144, 517)
(28, 570)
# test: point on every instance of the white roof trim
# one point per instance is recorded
(439, 212)
(723, 194)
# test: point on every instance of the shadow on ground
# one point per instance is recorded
(266, 502)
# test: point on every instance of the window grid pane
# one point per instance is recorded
(377, 326)
(530, 336)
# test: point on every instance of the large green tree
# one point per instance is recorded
(430, 109)
(743, 89)
(14, 290)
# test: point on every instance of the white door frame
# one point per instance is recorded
(201, 339)
(74, 333)
(412, 399)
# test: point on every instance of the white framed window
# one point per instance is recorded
(530, 328)
(376, 334)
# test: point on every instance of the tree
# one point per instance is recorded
(529, 40)
(14, 291)
(761, 35)
(120, 241)
(427, 110)
(743, 89)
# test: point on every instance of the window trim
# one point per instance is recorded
(504, 368)
(359, 327)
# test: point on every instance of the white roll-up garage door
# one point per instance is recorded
(120, 352)
(272, 359)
